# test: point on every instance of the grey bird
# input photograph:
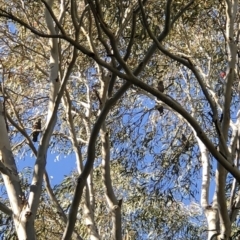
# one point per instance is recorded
(160, 86)
(160, 109)
(185, 142)
(36, 130)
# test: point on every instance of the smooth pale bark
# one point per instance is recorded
(210, 211)
(225, 224)
(24, 217)
(89, 164)
(49, 190)
(111, 200)
(200, 133)
(20, 211)
(231, 8)
(113, 203)
(234, 202)
(131, 79)
(39, 167)
(89, 201)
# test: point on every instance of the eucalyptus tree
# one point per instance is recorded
(106, 59)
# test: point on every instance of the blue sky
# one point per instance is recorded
(56, 167)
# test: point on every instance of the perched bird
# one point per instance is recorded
(184, 139)
(120, 202)
(160, 109)
(185, 142)
(160, 86)
(36, 130)
(221, 118)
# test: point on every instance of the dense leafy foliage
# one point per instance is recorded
(155, 158)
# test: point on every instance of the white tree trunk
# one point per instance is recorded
(22, 217)
(31, 205)
(210, 211)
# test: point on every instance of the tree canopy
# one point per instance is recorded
(144, 95)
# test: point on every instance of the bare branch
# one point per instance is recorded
(89, 164)
(5, 209)
(53, 17)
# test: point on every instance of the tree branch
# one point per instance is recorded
(5, 209)
(90, 159)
